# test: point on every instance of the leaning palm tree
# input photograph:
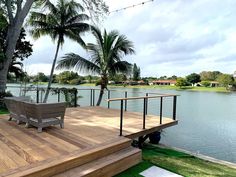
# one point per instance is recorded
(59, 21)
(105, 57)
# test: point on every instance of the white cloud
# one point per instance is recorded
(170, 36)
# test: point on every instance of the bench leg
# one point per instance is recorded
(62, 125)
(18, 122)
(10, 118)
(27, 125)
(40, 129)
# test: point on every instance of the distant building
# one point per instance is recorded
(214, 84)
(141, 82)
(163, 82)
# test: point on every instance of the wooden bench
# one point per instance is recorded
(43, 115)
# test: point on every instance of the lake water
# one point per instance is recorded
(207, 120)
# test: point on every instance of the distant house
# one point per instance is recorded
(141, 82)
(111, 82)
(163, 82)
(130, 82)
(214, 84)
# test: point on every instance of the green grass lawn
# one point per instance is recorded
(177, 162)
(3, 111)
(168, 87)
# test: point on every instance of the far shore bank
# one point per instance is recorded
(168, 87)
(163, 87)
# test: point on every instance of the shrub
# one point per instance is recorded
(206, 83)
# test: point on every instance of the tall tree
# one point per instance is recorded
(105, 57)
(16, 11)
(59, 21)
(193, 78)
(136, 72)
(225, 79)
(22, 51)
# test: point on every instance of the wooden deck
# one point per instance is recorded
(89, 145)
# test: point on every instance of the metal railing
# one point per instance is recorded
(145, 107)
(123, 101)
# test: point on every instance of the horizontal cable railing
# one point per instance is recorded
(145, 107)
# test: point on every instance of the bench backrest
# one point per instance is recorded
(44, 110)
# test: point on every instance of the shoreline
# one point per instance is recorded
(200, 156)
(163, 87)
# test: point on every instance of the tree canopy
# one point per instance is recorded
(136, 72)
(193, 78)
(105, 57)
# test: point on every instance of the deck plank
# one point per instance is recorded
(85, 129)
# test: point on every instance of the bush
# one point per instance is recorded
(205, 83)
(181, 82)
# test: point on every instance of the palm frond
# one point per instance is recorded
(77, 18)
(120, 67)
(49, 5)
(73, 61)
(75, 37)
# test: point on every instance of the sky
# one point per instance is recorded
(171, 37)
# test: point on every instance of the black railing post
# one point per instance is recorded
(75, 101)
(91, 97)
(146, 104)
(126, 95)
(37, 95)
(174, 107)
(144, 112)
(161, 102)
(121, 117)
(108, 96)
(58, 95)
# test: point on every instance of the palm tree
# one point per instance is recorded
(59, 21)
(105, 57)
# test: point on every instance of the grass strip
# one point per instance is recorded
(178, 162)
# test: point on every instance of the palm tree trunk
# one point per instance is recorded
(104, 82)
(51, 74)
(100, 96)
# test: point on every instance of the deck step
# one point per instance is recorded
(76, 159)
(107, 166)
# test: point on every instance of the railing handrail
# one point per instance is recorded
(139, 98)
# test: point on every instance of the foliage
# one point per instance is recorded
(162, 78)
(174, 77)
(91, 79)
(177, 162)
(205, 83)
(17, 11)
(69, 77)
(22, 51)
(105, 57)
(209, 75)
(59, 21)
(181, 82)
(225, 79)
(118, 78)
(193, 78)
(136, 72)
(40, 77)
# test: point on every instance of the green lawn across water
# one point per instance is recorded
(169, 87)
(178, 162)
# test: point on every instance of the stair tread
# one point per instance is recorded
(99, 163)
(93, 151)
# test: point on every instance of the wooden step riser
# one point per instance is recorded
(61, 165)
(117, 166)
